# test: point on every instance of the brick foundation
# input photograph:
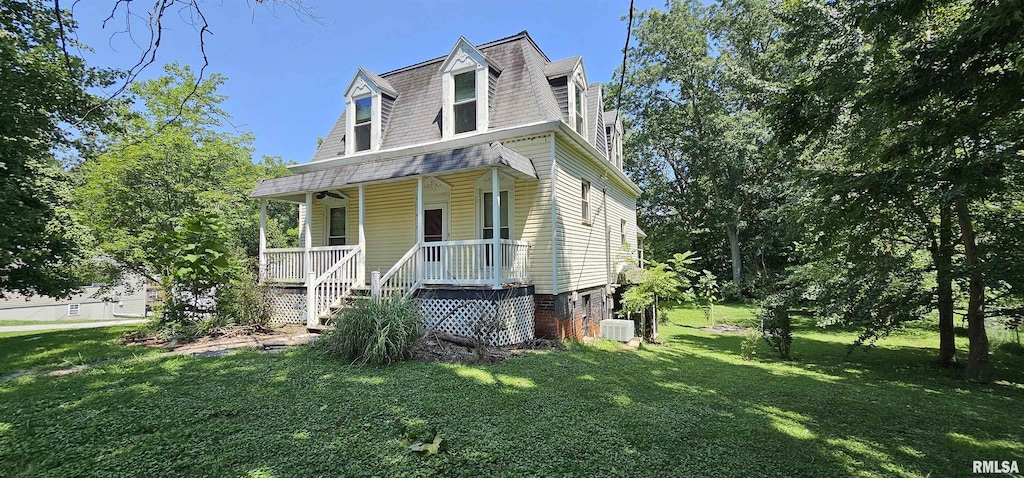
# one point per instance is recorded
(558, 317)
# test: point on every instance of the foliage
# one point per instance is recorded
(421, 440)
(245, 301)
(731, 292)
(776, 323)
(659, 283)
(698, 138)
(748, 348)
(47, 107)
(904, 112)
(158, 171)
(706, 290)
(681, 403)
(375, 332)
(198, 268)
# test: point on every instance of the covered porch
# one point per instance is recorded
(366, 235)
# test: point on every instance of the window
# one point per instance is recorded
(73, 310)
(586, 201)
(622, 231)
(465, 102)
(337, 226)
(488, 226)
(580, 99)
(586, 306)
(363, 123)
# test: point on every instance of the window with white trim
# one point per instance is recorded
(622, 231)
(337, 226)
(363, 123)
(74, 310)
(581, 103)
(487, 228)
(585, 205)
(464, 101)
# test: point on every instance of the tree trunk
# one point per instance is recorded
(977, 358)
(734, 246)
(944, 275)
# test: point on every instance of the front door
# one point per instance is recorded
(435, 229)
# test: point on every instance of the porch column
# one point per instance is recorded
(362, 238)
(419, 227)
(307, 263)
(496, 218)
(263, 240)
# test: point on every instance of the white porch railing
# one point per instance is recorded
(288, 264)
(470, 262)
(401, 278)
(336, 283)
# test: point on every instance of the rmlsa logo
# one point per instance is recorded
(993, 466)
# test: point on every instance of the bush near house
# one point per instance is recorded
(374, 332)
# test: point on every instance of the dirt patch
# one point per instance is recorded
(727, 329)
(432, 349)
(229, 339)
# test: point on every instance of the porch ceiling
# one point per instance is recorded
(481, 155)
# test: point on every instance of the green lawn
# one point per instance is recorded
(691, 407)
(57, 322)
(35, 351)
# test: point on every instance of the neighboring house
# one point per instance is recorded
(402, 195)
(118, 302)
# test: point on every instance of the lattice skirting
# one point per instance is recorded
(508, 321)
(288, 305)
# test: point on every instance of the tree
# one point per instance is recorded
(698, 137)
(168, 165)
(912, 107)
(45, 108)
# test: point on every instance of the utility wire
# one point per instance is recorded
(625, 54)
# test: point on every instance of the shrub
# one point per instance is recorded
(245, 301)
(776, 326)
(729, 291)
(748, 348)
(375, 332)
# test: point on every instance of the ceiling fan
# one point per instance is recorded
(323, 194)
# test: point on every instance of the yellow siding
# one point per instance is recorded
(391, 214)
(587, 251)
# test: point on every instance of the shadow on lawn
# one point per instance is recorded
(691, 407)
(64, 348)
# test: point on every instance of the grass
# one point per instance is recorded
(46, 350)
(691, 407)
(59, 322)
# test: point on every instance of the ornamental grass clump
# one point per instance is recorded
(374, 332)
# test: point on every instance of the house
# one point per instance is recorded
(486, 181)
(94, 302)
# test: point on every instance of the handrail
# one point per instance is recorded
(405, 277)
(338, 265)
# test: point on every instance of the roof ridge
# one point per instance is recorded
(531, 75)
(492, 43)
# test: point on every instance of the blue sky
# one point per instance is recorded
(286, 75)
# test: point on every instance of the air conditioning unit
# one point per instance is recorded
(617, 329)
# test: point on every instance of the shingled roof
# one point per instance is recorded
(521, 96)
(472, 157)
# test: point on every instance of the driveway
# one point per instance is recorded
(60, 326)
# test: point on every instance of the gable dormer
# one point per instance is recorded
(368, 101)
(568, 81)
(613, 132)
(467, 84)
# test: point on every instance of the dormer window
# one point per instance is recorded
(464, 106)
(368, 101)
(581, 102)
(363, 123)
(467, 76)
